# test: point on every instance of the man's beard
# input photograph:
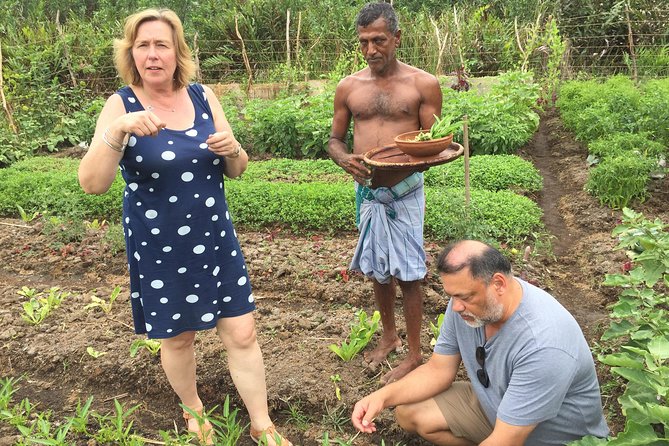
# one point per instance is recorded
(492, 313)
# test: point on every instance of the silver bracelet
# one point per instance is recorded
(238, 150)
(122, 145)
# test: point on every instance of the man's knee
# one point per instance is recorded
(406, 418)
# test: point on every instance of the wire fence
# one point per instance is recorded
(639, 48)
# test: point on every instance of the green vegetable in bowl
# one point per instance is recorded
(442, 127)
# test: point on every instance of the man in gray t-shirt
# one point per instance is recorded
(533, 380)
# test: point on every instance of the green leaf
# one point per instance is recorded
(618, 329)
(589, 441)
(633, 375)
(659, 347)
(622, 360)
(654, 272)
(635, 434)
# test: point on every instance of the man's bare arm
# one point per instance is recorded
(506, 434)
(422, 383)
(431, 101)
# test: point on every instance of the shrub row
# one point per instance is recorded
(501, 120)
(625, 129)
(50, 185)
(594, 109)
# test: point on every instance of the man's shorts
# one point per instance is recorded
(463, 412)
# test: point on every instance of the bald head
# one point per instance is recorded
(482, 260)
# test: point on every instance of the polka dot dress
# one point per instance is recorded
(186, 266)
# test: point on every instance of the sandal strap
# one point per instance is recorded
(269, 432)
(189, 416)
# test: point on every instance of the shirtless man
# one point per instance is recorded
(385, 99)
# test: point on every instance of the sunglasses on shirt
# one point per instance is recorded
(481, 374)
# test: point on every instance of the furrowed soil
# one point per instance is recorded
(306, 300)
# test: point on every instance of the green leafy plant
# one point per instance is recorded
(626, 144)
(335, 380)
(96, 224)
(441, 128)
(436, 329)
(327, 442)
(295, 413)
(116, 428)
(104, 305)
(361, 334)
(489, 172)
(151, 345)
(337, 417)
(27, 218)
(7, 391)
(39, 306)
(228, 429)
(307, 206)
(94, 353)
(619, 180)
(637, 334)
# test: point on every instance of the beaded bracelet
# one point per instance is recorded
(122, 145)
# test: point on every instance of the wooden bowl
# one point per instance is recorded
(406, 143)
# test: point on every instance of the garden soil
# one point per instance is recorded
(306, 300)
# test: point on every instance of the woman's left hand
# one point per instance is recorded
(224, 144)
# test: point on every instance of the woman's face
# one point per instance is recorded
(154, 53)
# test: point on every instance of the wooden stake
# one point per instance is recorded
(4, 101)
(630, 38)
(196, 56)
(245, 56)
(465, 140)
(288, 37)
(66, 53)
(441, 44)
(459, 36)
(297, 38)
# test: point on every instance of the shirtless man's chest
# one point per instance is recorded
(381, 111)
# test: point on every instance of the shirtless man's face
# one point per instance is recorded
(378, 45)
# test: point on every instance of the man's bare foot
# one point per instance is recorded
(402, 369)
(381, 352)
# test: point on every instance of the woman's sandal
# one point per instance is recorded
(204, 430)
(267, 433)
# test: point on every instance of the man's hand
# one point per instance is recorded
(354, 165)
(364, 413)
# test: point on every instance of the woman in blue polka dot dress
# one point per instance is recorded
(187, 273)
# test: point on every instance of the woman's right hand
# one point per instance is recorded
(141, 123)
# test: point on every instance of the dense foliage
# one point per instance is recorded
(57, 57)
(624, 126)
(502, 119)
(636, 344)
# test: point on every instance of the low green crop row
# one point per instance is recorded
(50, 185)
(489, 172)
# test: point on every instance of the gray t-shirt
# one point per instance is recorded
(540, 367)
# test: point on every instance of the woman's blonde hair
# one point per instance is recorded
(125, 64)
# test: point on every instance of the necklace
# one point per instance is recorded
(151, 107)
